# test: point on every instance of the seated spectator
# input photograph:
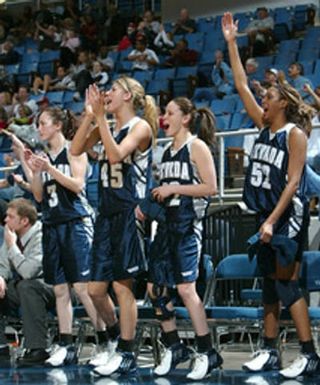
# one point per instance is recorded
(221, 75)
(149, 27)
(6, 102)
(129, 39)
(298, 81)
(251, 67)
(63, 81)
(99, 76)
(105, 59)
(49, 38)
(260, 33)
(142, 57)
(88, 32)
(25, 126)
(22, 97)
(163, 42)
(69, 44)
(184, 24)
(7, 53)
(21, 283)
(271, 77)
(181, 55)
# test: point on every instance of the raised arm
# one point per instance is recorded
(230, 29)
(87, 135)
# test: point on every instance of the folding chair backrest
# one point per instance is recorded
(310, 270)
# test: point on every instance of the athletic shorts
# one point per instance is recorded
(67, 251)
(175, 253)
(118, 247)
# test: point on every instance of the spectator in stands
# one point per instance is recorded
(80, 73)
(298, 81)
(260, 33)
(62, 82)
(104, 58)
(251, 67)
(71, 10)
(43, 103)
(25, 126)
(99, 76)
(221, 75)
(21, 282)
(88, 32)
(22, 97)
(15, 184)
(181, 55)
(271, 77)
(68, 46)
(7, 53)
(149, 27)
(163, 42)
(150, 23)
(129, 39)
(49, 38)
(184, 24)
(143, 58)
(6, 102)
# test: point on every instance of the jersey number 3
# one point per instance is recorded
(111, 175)
(260, 175)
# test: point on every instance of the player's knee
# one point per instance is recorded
(162, 305)
(288, 291)
(269, 292)
(186, 291)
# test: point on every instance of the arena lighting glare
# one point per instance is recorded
(2, 1)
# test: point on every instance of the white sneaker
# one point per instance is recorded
(171, 357)
(267, 359)
(101, 357)
(305, 364)
(203, 364)
(119, 362)
(62, 355)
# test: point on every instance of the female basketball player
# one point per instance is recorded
(187, 180)
(273, 188)
(58, 182)
(125, 168)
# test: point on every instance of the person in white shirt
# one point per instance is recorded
(142, 57)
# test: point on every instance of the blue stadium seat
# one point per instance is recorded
(308, 66)
(203, 94)
(46, 68)
(308, 54)
(195, 41)
(164, 73)
(185, 71)
(55, 97)
(205, 25)
(143, 76)
(12, 69)
(223, 121)
(224, 106)
(155, 86)
(50, 55)
(76, 107)
(31, 57)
